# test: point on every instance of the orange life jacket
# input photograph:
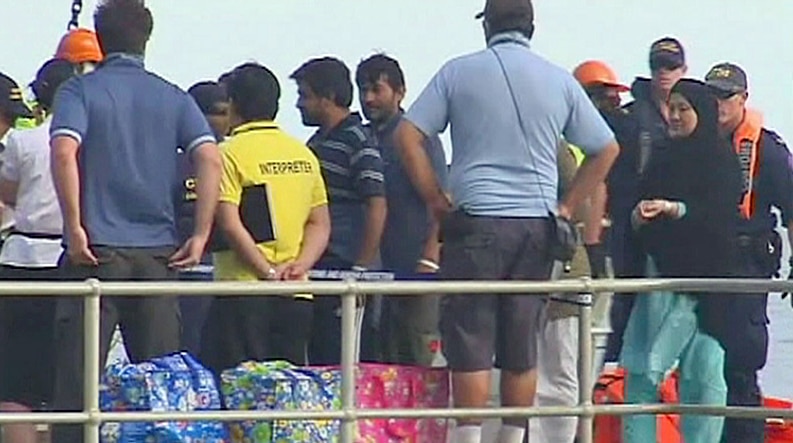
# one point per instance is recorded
(746, 142)
(610, 389)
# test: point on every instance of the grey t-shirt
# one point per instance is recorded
(408, 220)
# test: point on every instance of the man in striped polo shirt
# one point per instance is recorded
(353, 172)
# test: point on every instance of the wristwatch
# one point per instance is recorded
(271, 274)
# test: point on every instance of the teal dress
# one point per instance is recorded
(662, 334)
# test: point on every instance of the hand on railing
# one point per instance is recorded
(295, 271)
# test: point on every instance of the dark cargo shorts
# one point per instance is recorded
(476, 327)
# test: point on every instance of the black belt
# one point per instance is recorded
(36, 235)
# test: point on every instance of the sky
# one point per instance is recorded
(196, 40)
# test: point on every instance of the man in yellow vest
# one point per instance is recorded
(273, 216)
(768, 182)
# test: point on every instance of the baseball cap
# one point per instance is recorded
(207, 95)
(11, 98)
(668, 53)
(727, 78)
(498, 10)
(49, 77)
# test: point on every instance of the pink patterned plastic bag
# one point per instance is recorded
(401, 387)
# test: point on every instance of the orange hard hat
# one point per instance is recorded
(594, 72)
(79, 46)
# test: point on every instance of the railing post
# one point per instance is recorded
(348, 353)
(92, 310)
(585, 357)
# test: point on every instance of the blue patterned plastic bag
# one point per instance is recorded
(175, 382)
(282, 386)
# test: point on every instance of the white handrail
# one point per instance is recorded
(93, 290)
(402, 288)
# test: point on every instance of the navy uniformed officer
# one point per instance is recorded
(643, 130)
(768, 182)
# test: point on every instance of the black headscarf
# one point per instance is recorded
(706, 134)
(702, 171)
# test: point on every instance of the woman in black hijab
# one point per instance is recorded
(699, 174)
(686, 222)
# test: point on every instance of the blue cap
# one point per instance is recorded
(667, 53)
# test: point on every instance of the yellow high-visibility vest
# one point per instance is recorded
(578, 154)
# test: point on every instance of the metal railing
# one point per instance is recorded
(93, 290)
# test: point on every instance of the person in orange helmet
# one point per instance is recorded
(601, 83)
(603, 87)
(81, 48)
(617, 197)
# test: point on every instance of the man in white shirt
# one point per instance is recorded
(30, 252)
(12, 108)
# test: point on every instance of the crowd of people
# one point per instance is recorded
(118, 174)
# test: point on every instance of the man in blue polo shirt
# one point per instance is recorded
(114, 139)
(508, 109)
